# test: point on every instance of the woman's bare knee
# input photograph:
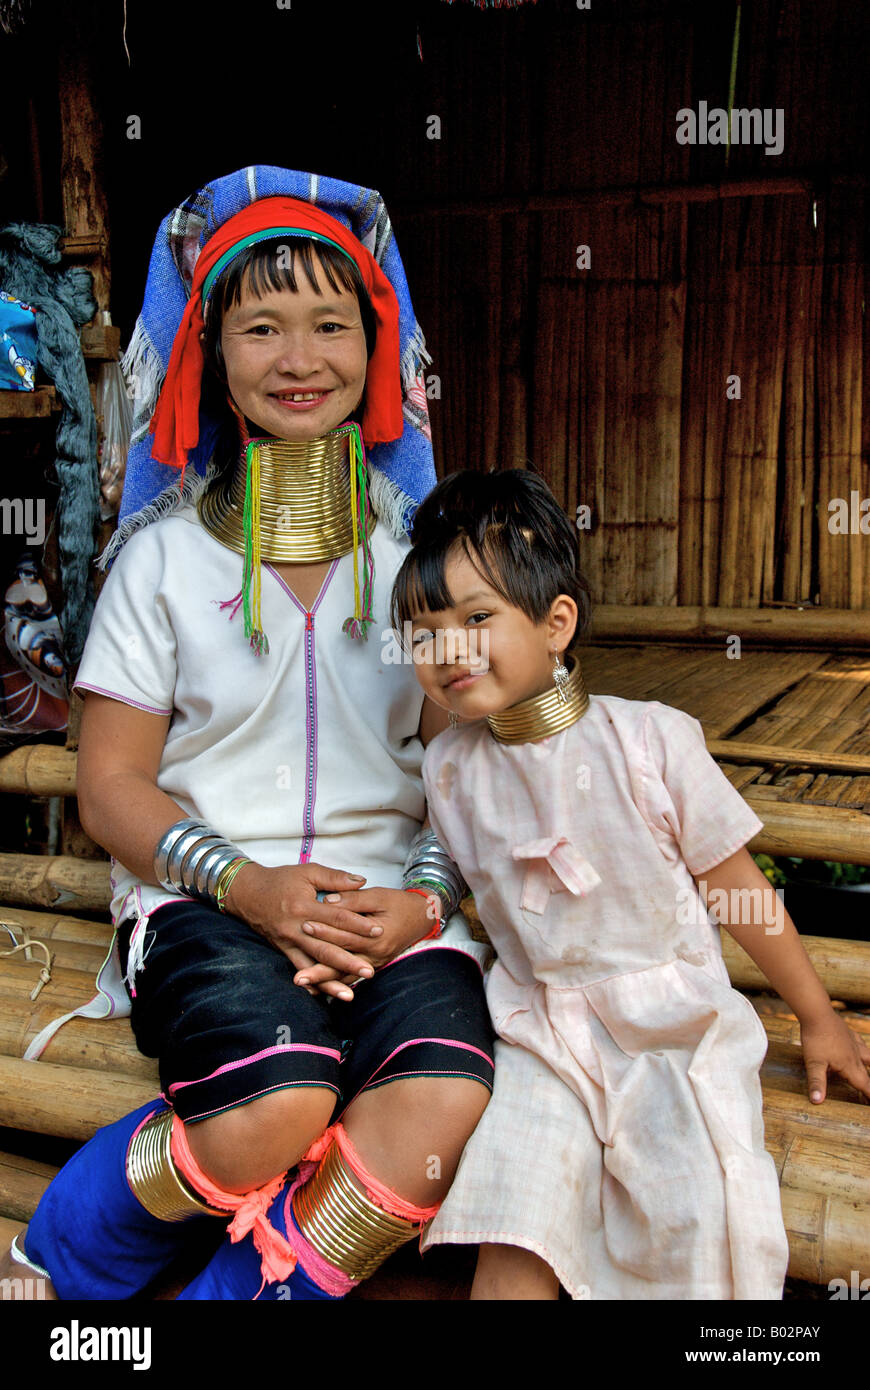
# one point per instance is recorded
(411, 1133)
(250, 1145)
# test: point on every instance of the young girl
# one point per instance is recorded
(622, 1154)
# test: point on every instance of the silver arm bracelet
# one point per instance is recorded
(191, 867)
(426, 844)
(427, 854)
(428, 864)
(190, 858)
(178, 853)
(166, 843)
(210, 868)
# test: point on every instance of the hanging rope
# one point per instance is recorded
(27, 946)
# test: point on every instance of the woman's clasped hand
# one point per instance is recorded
(335, 942)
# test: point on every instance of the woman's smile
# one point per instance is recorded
(301, 401)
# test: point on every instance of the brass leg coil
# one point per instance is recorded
(154, 1179)
(343, 1224)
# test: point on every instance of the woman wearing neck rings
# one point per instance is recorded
(252, 763)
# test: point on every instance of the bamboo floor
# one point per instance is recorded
(789, 728)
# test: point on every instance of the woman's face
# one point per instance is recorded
(296, 361)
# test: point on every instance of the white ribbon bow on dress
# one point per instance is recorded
(554, 856)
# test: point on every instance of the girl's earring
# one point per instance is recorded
(453, 719)
(561, 676)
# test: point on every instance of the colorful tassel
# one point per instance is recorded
(253, 572)
(358, 625)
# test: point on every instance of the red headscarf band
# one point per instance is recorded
(175, 422)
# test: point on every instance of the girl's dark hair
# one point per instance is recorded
(513, 531)
(261, 268)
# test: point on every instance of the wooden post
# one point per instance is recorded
(84, 200)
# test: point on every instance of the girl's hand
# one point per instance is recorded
(277, 902)
(400, 918)
(828, 1043)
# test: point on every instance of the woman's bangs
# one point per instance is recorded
(271, 266)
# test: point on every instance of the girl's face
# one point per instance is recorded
(483, 655)
(296, 362)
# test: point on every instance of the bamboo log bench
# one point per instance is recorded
(91, 1073)
(789, 723)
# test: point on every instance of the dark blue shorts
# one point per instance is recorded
(216, 1004)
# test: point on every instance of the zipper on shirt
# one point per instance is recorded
(310, 741)
(308, 831)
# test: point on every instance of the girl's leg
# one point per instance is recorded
(248, 1146)
(421, 1071)
(509, 1272)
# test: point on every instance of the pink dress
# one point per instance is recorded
(624, 1141)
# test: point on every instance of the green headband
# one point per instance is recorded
(270, 233)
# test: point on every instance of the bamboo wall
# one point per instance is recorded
(558, 128)
(612, 380)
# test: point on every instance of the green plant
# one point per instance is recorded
(789, 869)
(770, 869)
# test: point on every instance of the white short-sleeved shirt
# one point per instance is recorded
(310, 753)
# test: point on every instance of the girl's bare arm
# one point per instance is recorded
(120, 804)
(745, 902)
(747, 905)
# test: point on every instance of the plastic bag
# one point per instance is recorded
(114, 423)
(18, 344)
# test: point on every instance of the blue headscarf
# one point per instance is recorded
(401, 472)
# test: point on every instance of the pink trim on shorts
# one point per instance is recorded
(256, 1057)
(436, 946)
(255, 1095)
(411, 1042)
(397, 1076)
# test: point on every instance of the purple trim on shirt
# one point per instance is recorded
(125, 699)
(310, 741)
(310, 708)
